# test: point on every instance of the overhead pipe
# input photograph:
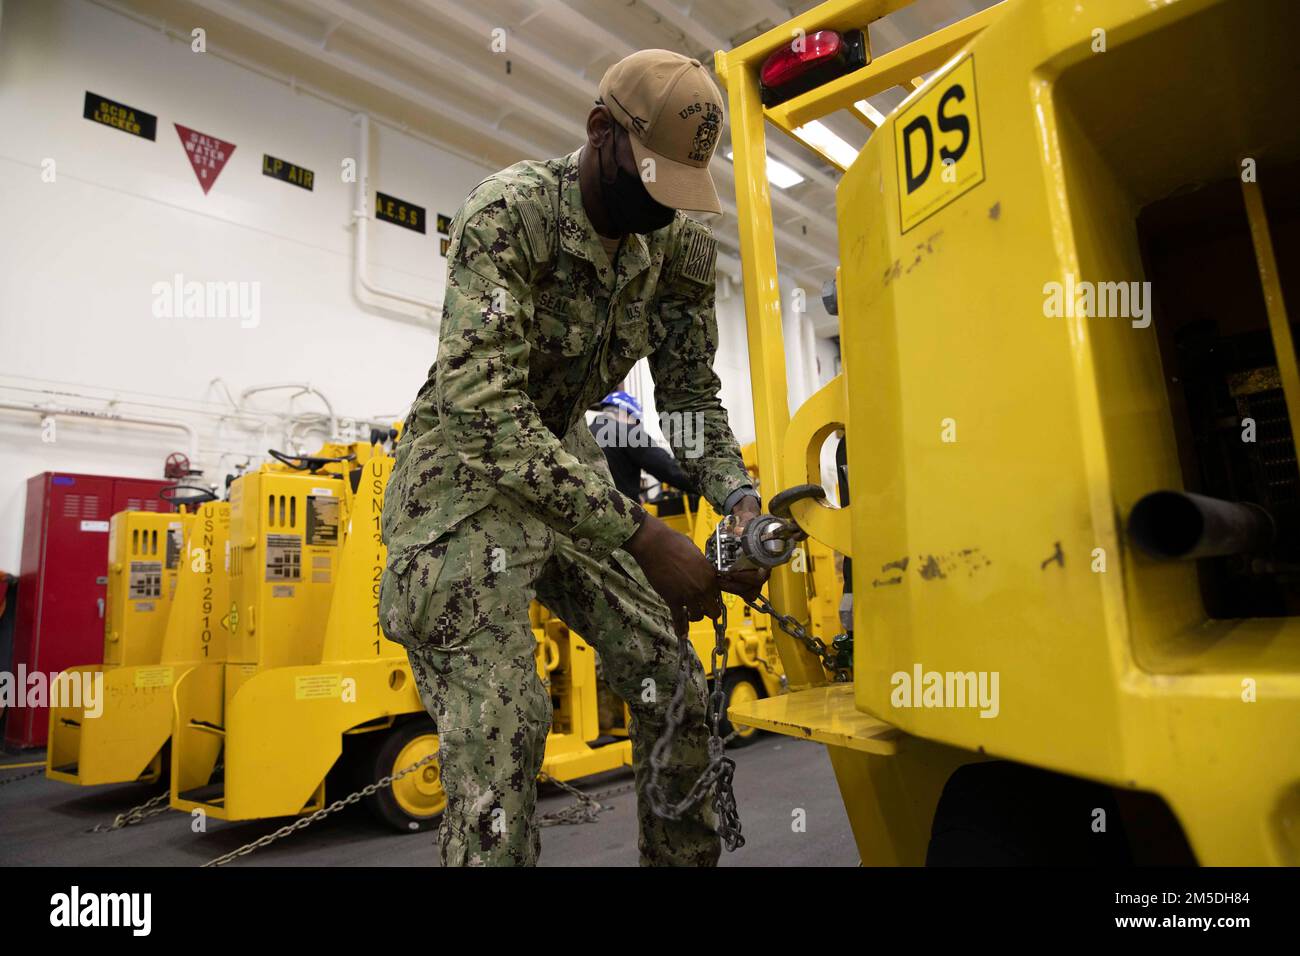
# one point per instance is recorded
(303, 387)
(56, 412)
(360, 224)
(1180, 526)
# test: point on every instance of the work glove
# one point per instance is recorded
(678, 571)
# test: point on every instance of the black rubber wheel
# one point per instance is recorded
(749, 687)
(416, 802)
(1007, 814)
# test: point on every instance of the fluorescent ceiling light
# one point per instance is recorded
(778, 174)
(870, 112)
(817, 135)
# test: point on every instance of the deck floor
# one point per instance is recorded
(43, 822)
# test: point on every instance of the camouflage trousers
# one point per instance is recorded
(460, 606)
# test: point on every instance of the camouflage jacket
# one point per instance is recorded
(537, 325)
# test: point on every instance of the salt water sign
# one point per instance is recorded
(207, 154)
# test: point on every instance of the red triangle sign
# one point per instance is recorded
(207, 154)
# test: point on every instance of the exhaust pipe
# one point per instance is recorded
(1178, 526)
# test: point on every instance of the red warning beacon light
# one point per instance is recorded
(810, 61)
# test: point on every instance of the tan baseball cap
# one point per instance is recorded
(673, 111)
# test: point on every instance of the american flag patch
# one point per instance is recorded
(698, 256)
(535, 230)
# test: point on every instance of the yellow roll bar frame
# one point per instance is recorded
(787, 447)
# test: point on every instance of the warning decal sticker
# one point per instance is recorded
(317, 686)
(144, 581)
(283, 557)
(322, 520)
(937, 146)
(153, 677)
(175, 544)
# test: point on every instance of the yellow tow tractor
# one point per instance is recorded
(256, 735)
(165, 586)
(1070, 398)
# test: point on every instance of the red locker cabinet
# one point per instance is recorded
(62, 582)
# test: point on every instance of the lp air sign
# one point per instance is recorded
(937, 145)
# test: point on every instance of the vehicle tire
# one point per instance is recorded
(739, 686)
(1006, 814)
(416, 802)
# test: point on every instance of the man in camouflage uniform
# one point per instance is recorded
(561, 275)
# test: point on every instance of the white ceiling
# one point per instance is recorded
(429, 65)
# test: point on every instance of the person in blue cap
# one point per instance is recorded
(629, 450)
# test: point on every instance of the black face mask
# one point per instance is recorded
(627, 202)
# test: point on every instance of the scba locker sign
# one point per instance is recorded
(938, 147)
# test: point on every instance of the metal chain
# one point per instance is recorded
(829, 658)
(585, 811)
(150, 808)
(23, 776)
(719, 770)
(321, 814)
(588, 808)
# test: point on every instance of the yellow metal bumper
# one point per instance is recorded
(825, 714)
(125, 741)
